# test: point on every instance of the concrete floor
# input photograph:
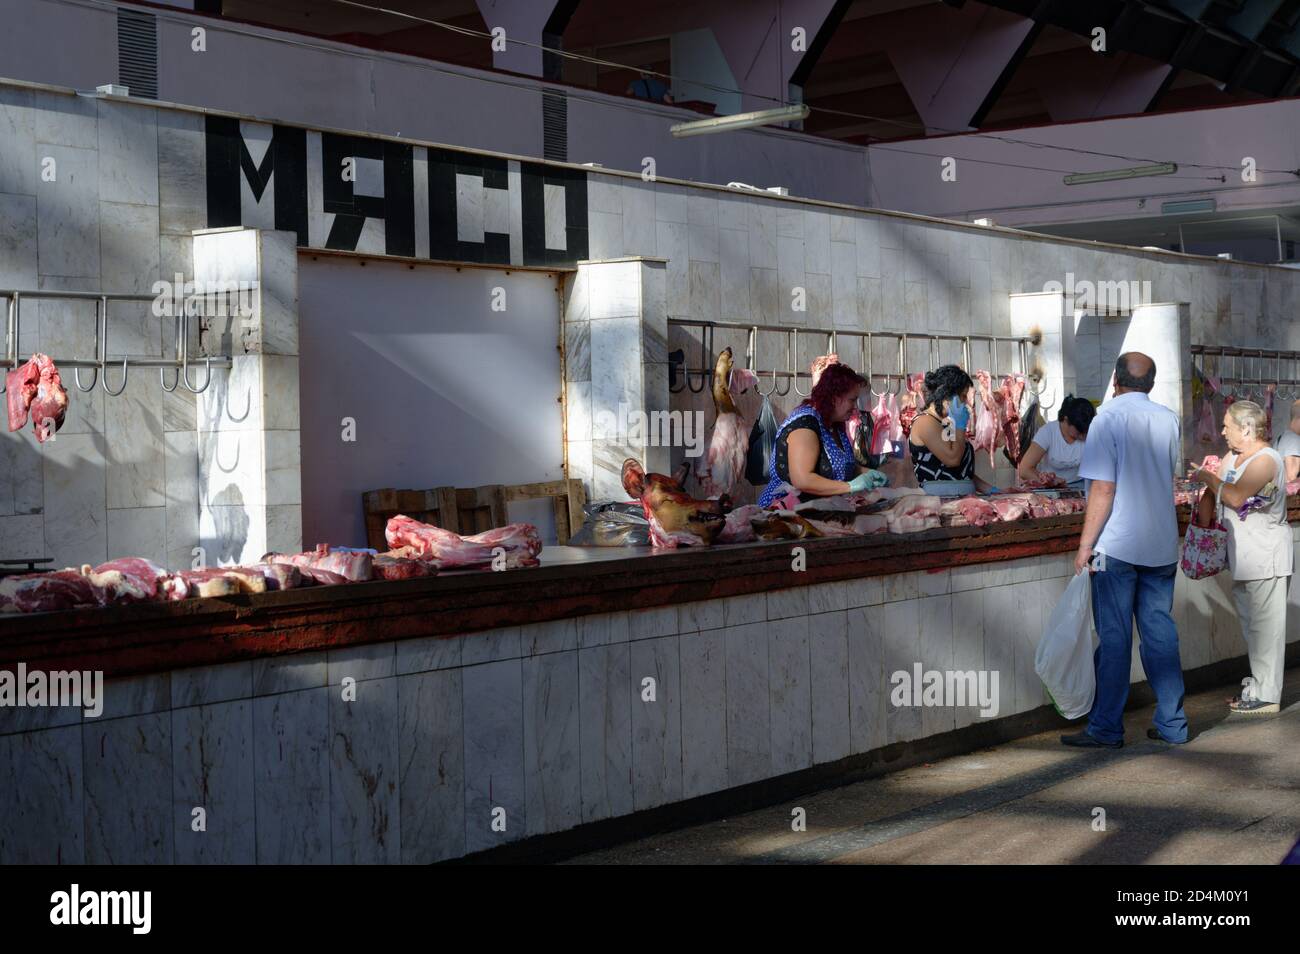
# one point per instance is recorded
(1231, 795)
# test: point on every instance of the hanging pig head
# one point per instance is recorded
(676, 518)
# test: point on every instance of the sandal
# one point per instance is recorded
(1249, 703)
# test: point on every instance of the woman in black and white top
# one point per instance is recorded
(942, 458)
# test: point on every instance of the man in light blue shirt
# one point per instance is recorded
(1130, 459)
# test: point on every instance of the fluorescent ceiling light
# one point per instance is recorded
(1133, 172)
(763, 117)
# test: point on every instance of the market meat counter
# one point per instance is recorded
(567, 582)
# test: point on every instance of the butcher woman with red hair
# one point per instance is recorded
(812, 455)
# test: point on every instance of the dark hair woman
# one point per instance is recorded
(942, 458)
(811, 455)
(1057, 446)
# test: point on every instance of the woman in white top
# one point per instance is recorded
(1251, 486)
(1057, 446)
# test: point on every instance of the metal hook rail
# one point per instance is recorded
(180, 365)
(895, 381)
(1234, 359)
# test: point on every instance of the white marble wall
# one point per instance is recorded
(543, 726)
(112, 213)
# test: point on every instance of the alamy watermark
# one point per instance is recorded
(1102, 297)
(945, 688)
(217, 299)
(654, 429)
(38, 688)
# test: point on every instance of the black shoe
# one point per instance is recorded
(1154, 735)
(1082, 740)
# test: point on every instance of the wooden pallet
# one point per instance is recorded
(470, 510)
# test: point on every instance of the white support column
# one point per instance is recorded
(616, 372)
(250, 486)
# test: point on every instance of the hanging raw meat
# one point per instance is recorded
(1269, 391)
(988, 431)
(820, 364)
(882, 426)
(1007, 399)
(1206, 432)
(895, 425)
(36, 387)
(912, 402)
(730, 440)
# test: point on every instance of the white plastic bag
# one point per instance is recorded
(1064, 658)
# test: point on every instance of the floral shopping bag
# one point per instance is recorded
(1205, 549)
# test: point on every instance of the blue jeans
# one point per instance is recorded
(1121, 592)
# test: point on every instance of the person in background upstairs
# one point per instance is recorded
(1131, 457)
(1057, 447)
(811, 454)
(650, 87)
(1288, 444)
(1252, 482)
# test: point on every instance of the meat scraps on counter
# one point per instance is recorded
(419, 549)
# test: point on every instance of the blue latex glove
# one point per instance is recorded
(867, 480)
(992, 490)
(959, 413)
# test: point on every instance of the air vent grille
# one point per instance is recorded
(137, 53)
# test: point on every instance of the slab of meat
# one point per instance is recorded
(738, 525)
(912, 402)
(988, 430)
(973, 511)
(46, 592)
(328, 565)
(36, 387)
(127, 580)
(230, 580)
(403, 564)
(912, 513)
(730, 440)
(1007, 399)
(520, 541)
(1044, 481)
(1010, 508)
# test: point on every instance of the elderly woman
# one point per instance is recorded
(942, 459)
(812, 452)
(1057, 446)
(1251, 486)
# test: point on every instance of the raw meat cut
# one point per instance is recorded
(125, 580)
(912, 513)
(403, 564)
(46, 592)
(1044, 481)
(882, 426)
(820, 364)
(36, 387)
(738, 525)
(974, 511)
(223, 581)
(895, 425)
(1010, 508)
(988, 432)
(1206, 432)
(328, 565)
(912, 403)
(1007, 400)
(520, 543)
(730, 440)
